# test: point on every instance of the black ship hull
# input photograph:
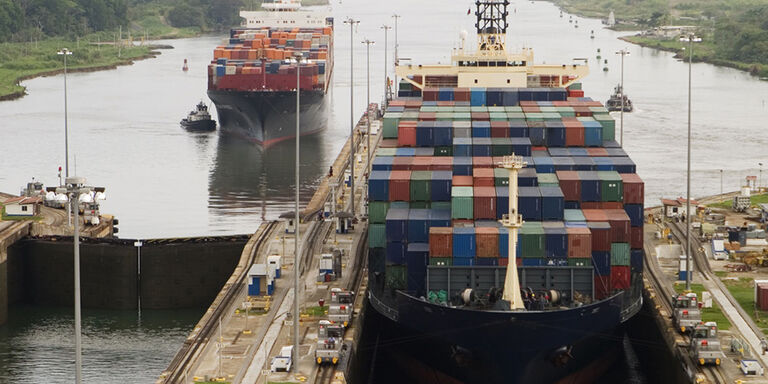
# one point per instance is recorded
(199, 126)
(267, 118)
(435, 343)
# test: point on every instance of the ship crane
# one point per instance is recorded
(512, 221)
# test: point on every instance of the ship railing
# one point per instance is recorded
(383, 307)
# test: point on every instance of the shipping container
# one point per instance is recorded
(464, 243)
(611, 187)
(556, 239)
(441, 242)
(462, 146)
(633, 188)
(573, 215)
(636, 237)
(399, 186)
(483, 177)
(601, 262)
(484, 206)
(555, 134)
(377, 211)
(462, 203)
(487, 242)
(395, 252)
(397, 225)
(601, 236)
(636, 260)
(579, 242)
(440, 186)
(416, 258)
(418, 225)
(635, 213)
(620, 277)
(619, 254)
(529, 201)
(378, 185)
(532, 241)
(620, 225)
(462, 166)
(552, 203)
(420, 186)
(440, 261)
(377, 237)
(590, 186)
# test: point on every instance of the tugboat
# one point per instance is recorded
(614, 103)
(199, 119)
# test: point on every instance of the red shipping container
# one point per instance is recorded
(463, 223)
(499, 129)
(570, 184)
(428, 94)
(620, 277)
(462, 181)
(543, 149)
(414, 104)
(610, 205)
(582, 111)
(636, 237)
(483, 177)
(388, 143)
(441, 163)
(421, 163)
(484, 203)
(528, 103)
(574, 136)
(482, 162)
(597, 152)
(762, 296)
(480, 116)
(601, 236)
(531, 109)
(619, 225)
(427, 116)
(397, 103)
(461, 94)
(503, 261)
(579, 242)
(445, 103)
(590, 205)
(487, 242)
(406, 136)
(595, 214)
(402, 163)
(575, 93)
(440, 242)
(400, 186)
(634, 188)
(602, 286)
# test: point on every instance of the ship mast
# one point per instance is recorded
(491, 27)
(512, 222)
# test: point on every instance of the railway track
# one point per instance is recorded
(190, 350)
(325, 374)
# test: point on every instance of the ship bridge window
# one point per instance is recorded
(475, 81)
(482, 63)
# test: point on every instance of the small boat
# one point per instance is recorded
(199, 119)
(614, 103)
(185, 67)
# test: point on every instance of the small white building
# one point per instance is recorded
(676, 208)
(22, 206)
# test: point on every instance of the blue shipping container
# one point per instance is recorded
(518, 128)
(525, 94)
(378, 186)
(527, 178)
(529, 201)
(601, 262)
(537, 132)
(555, 133)
(502, 201)
(521, 146)
(462, 166)
(583, 164)
(463, 243)
(564, 163)
(395, 252)
(462, 147)
(593, 134)
(440, 185)
(544, 164)
(556, 240)
(590, 186)
(635, 213)
(424, 133)
(382, 163)
(481, 129)
(440, 217)
(552, 203)
(445, 94)
(418, 225)
(477, 97)
(636, 260)
(510, 97)
(416, 260)
(396, 225)
(481, 146)
(463, 262)
(442, 133)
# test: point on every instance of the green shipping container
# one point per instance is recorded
(419, 205)
(444, 205)
(396, 276)
(444, 116)
(551, 116)
(498, 116)
(532, 240)
(596, 110)
(391, 119)
(444, 151)
(535, 116)
(515, 116)
(580, 262)
(420, 181)
(571, 215)
(547, 180)
(513, 108)
(461, 116)
(501, 177)
(377, 211)
(566, 111)
(501, 146)
(440, 261)
(462, 108)
(446, 108)
(478, 108)
(619, 254)
(462, 203)
(609, 126)
(428, 108)
(611, 187)
(547, 109)
(390, 152)
(377, 236)
(575, 87)
(496, 109)
(410, 115)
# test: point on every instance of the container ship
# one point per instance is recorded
(252, 79)
(506, 223)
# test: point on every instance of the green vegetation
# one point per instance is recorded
(743, 290)
(315, 311)
(707, 314)
(734, 32)
(754, 200)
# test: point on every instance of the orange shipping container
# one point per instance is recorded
(440, 242)
(487, 240)
(579, 242)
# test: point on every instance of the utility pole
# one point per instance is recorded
(296, 245)
(396, 16)
(368, 101)
(623, 52)
(386, 28)
(352, 22)
(690, 39)
(65, 52)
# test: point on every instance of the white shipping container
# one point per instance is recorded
(230, 69)
(326, 262)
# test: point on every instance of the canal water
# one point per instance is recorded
(163, 181)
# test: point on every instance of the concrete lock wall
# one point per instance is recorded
(173, 275)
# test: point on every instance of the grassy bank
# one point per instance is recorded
(743, 290)
(20, 61)
(707, 314)
(754, 200)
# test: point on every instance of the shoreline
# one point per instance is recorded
(153, 53)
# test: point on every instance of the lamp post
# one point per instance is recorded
(721, 181)
(760, 177)
(65, 52)
(352, 22)
(623, 52)
(690, 39)
(396, 16)
(77, 192)
(368, 100)
(296, 245)
(386, 28)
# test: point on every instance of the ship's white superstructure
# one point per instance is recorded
(284, 14)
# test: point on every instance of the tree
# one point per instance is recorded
(185, 15)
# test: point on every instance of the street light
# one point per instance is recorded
(386, 28)
(368, 100)
(352, 22)
(760, 177)
(721, 181)
(623, 52)
(690, 39)
(396, 16)
(65, 52)
(77, 192)
(296, 246)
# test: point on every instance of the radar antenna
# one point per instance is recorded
(491, 25)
